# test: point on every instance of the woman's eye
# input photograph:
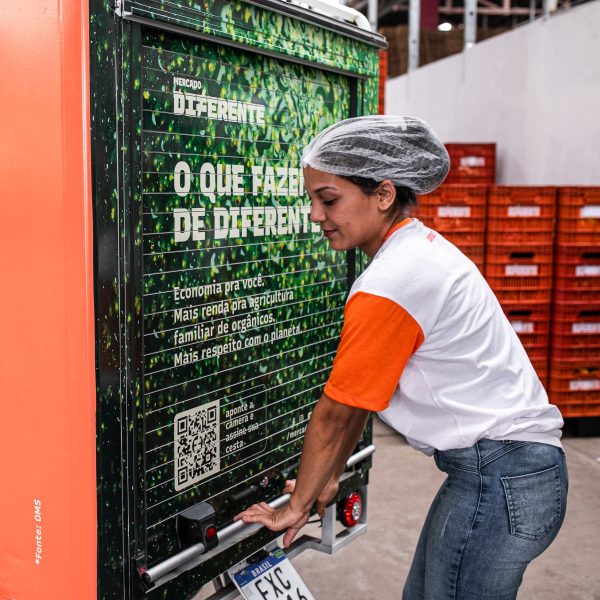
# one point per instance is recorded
(328, 202)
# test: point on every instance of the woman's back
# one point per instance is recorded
(470, 377)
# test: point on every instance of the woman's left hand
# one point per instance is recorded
(327, 494)
(276, 519)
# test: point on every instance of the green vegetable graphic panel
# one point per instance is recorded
(218, 306)
(242, 297)
(251, 24)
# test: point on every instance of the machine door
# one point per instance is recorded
(238, 299)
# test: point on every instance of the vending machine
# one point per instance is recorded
(171, 312)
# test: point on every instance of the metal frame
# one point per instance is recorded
(196, 554)
(414, 26)
(372, 12)
(329, 543)
(470, 21)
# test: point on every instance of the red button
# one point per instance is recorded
(210, 532)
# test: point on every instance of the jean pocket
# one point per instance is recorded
(534, 502)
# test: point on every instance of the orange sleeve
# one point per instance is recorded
(378, 338)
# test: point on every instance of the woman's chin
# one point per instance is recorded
(339, 245)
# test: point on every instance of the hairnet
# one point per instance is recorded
(404, 150)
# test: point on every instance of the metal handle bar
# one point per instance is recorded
(154, 573)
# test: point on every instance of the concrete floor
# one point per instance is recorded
(402, 486)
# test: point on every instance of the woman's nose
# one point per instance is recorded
(316, 213)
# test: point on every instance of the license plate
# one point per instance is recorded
(273, 578)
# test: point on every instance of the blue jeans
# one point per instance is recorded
(501, 505)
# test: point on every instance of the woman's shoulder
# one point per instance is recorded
(423, 273)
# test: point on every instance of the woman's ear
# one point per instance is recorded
(386, 195)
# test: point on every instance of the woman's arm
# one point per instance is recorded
(330, 490)
(332, 433)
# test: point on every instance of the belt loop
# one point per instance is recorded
(478, 456)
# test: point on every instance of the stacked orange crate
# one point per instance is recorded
(575, 351)
(383, 72)
(531, 322)
(458, 212)
(472, 164)
(520, 236)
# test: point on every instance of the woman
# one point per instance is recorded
(426, 344)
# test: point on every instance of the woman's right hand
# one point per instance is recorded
(276, 519)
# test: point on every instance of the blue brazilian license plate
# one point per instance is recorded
(273, 578)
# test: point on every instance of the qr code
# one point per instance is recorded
(197, 444)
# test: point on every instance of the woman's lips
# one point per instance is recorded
(328, 232)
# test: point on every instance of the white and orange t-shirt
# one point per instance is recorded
(425, 343)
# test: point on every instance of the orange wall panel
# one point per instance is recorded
(47, 407)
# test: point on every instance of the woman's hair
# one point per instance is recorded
(405, 197)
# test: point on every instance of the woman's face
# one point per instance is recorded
(348, 217)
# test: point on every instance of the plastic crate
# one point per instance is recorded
(537, 312)
(523, 224)
(442, 220)
(578, 215)
(570, 198)
(579, 218)
(511, 236)
(568, 352)
(529, 318)
(576, 331)
(543, 197)
(575, 375)
(521, 209)
(465, 238)
(383, 75)
(576, 284)
(581, 295)
(576, 404)
(519, 269)
(577, 237)
(531, 322)
(454, 208)
(538, 349)
(521, 295)
(476, 252)
(577, 255)
(472, 163)
(574, 318)
(471, 195)
(577, 268)
(503, 251)
(513, 267)
(541, 368)
(502, 285)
